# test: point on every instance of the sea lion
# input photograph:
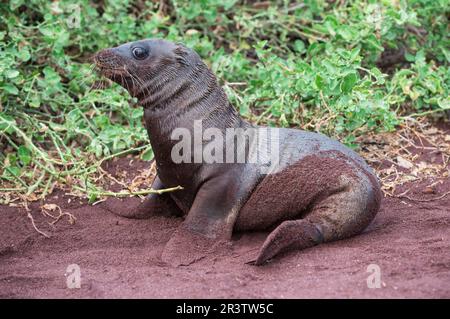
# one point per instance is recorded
(318, 191)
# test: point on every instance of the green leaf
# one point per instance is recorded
(410, 57)
(348, 82)
(14, 170)
(11, 89)
(378, 75)
(319, 81)
(92, 198)
(10, 74)
(35, 101)
(6, 121)
(24, 54)
(51, 76)
(147, 155)
(299, 46)
(24, 155)
(46, 31)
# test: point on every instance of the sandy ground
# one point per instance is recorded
(121, 258)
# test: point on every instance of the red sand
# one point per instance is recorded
(121, 258)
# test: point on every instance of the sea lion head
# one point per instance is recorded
(168, 80)
(144, 67)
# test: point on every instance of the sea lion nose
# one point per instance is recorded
(106, 57)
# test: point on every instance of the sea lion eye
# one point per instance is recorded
(140, 53)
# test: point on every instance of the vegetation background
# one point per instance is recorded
(345, 68)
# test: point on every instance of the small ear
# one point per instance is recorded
(181, 54)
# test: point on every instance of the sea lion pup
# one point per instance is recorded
(317, 191)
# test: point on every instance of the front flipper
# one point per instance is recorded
(187, 247)
(153, 204)
(210, 220)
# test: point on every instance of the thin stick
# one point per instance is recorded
(144, 192)
(425, 113)
(422, 200)
(34, 225)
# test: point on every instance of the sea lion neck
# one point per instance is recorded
(178, 99)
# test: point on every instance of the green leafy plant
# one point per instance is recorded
(341, 67)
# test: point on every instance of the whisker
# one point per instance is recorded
(139, 82)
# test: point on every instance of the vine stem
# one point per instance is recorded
(143, 192)
(35, 227)
(426, 113)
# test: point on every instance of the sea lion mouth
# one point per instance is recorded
(118, 75)
(111, 72)
(108, 68)
(110, 64)
(113, 67)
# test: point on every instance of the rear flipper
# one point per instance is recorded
(340, 215)
(290, 235)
